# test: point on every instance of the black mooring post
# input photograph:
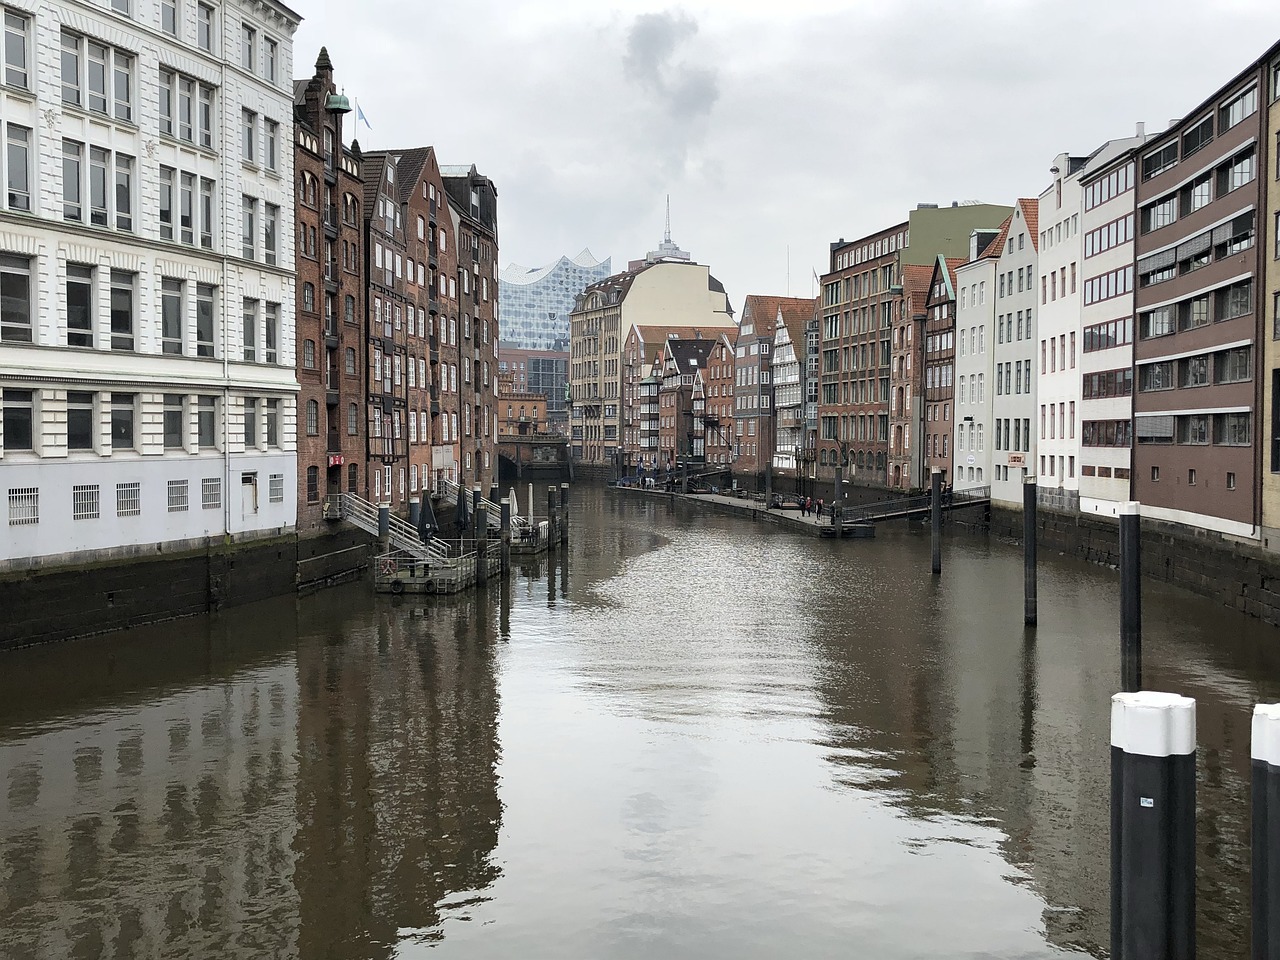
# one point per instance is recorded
(935, 517)
(384, 522)
(564, 513)
(1266, 831)
(1153, 826)
(482, 546)
(504, 515)
(1030, 492)
(1131, 596)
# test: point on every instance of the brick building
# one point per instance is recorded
(681, 426)
(718, 419)
(1197, 455)
(940, 367)
(906, 379)
(545, 372)
(753, 389)
(520, 412)
(473, 207)
(329, 263)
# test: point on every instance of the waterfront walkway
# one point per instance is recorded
(857, 517)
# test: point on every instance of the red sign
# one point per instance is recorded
(335, 460)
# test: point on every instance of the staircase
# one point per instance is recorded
(448, 491)
(402, 536)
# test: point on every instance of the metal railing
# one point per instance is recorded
(448, 490)
(403, 536)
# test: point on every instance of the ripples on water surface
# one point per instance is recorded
(701, 738)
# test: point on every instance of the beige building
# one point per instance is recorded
(659, 292)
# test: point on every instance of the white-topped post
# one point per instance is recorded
(1153, 826)
(935, 517)
(1266, 830)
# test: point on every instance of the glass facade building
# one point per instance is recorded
(536, 301)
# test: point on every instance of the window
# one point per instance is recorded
(250, 422)
(1156, 376)
(122, 310)
(250, 331)
(309, 297)
(15, 49)
(211, 493)
(309, 354)
(275, 487)
(85, 501)
(273, 423)
(177, 496)
(313, 418)
(1156, 323)
(19, 420)
(1197, 137)
(1193, 313)
(97, 77)
(1241, 169)
(123, 414)
(350, 309)
(271, 328)
(270, 59)
(72, 156)
(1231, 429)
(204, 320)
(1232, 112)
(1194, 371)
(186, 108)
(248, 136)
(171, 322)
(1233, 301)
(169, 17)
(350, 361)
(271, 144)
(1160, 214)
(353, 419)
(248, 47)
(248, 227)
(207, 422)
(173, 427)
(204, 27)
(17, 161)
(128, 499)
(1233, 366)
(15, 300)
(1198, 193)
(270, 222)
(313, 484)
(1193, 429)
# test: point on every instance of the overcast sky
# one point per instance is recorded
(771, 125)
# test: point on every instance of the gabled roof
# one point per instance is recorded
(763, 312)
(690, 356)
(916, 278)
(653, 337)
(1031, 215)
(995, 247)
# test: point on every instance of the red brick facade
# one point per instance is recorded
(329, 263)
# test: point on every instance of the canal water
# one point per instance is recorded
(699, 737)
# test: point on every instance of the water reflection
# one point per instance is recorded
(690, 737)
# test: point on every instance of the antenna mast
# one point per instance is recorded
(667, 236)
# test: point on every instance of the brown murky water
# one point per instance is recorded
(701, 738)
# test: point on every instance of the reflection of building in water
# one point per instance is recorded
(161, 830)
(397, 807)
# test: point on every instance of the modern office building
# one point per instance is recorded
(147, 317)
(1197, 456)
(536, 302)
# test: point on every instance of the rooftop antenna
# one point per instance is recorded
(667, 236)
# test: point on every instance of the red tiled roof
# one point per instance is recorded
(997, 245)
(1031, 214)
(763, 311)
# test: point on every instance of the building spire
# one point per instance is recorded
(667, 235)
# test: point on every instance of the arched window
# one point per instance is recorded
(822, 457)
(351, 361)
(353, 477)
(353, 419)
(350, 309)
(313, 484)
(880, 462)
(309, 354)
(313, 418)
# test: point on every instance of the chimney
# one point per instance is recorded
(955, 203)
(1141, 131)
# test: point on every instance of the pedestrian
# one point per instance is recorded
(819, 506)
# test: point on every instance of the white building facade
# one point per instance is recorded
(975, 330)
(1106, 347)
(1016, 346)
(788, 400)
(146, 286)
(1058, 382)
